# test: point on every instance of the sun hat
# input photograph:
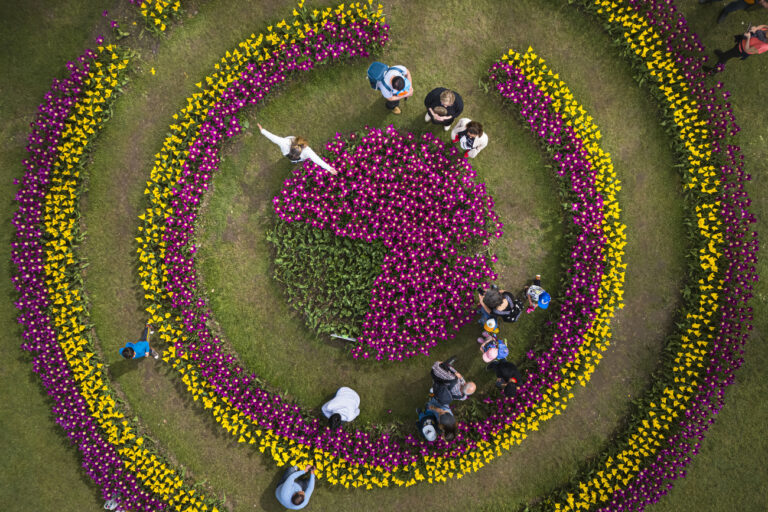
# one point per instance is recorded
(490, 354)
(429, 432)
(544, 299)
(491, 325)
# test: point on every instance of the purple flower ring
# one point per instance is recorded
(361, 458)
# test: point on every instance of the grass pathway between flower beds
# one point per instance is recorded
(200, 447)
(107, 277)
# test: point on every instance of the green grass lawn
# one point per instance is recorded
(443, 44)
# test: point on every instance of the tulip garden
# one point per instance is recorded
(143, 193)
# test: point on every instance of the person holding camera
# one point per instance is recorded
(292, 493)
(752, 42)
(448, 384)
(443, 106)
(141, 348)
(495, 303)
(470, 137)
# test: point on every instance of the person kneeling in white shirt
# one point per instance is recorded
(342, 408)
(296, 149)
(469, 134)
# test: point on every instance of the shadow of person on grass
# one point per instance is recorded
(122, 366)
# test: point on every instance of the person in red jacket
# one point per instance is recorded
(752, 42)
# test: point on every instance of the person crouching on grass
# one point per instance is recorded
(470, 137)
(141, 348)
(296, 149)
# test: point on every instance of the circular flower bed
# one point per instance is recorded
(418, 196)
(362, 458)
(672, 419)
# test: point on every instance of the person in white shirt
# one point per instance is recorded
(395, 86)
(296, 149)
(470, 136)
(342, 408)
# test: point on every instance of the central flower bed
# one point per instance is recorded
(418, 197)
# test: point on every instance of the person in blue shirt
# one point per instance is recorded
(141, 348)
(292, 493)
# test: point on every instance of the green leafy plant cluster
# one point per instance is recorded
(328, 279)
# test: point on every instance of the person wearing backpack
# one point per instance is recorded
(495, 303)
(752, 42)
(508, 377)
(394, 83)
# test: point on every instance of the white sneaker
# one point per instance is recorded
(446, 128)
(427, 118)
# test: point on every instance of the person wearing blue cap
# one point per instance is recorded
(394, 83)
(537, 296)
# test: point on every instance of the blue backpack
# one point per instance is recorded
(376, 72)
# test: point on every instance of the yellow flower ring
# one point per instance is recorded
(676, 413)
(356, 460)
(53, 308)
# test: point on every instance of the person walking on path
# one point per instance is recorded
(441, 98)
(394, 83)
(537, 296)
(296, 149)
(736, 5)
(752, 42)
(342, 408)
(293, 493)
(141, 348)
(470, 137)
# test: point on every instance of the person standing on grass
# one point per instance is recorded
(442, 98)
(445, 419)
(296, 149)
(448, 384)
(752, 42)
(293, 493)
(470, 137)
(495, 303)
(508, 377)
(141, 348)
(394, 83)
(342, 408)
(536, 295)
(736, 5)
